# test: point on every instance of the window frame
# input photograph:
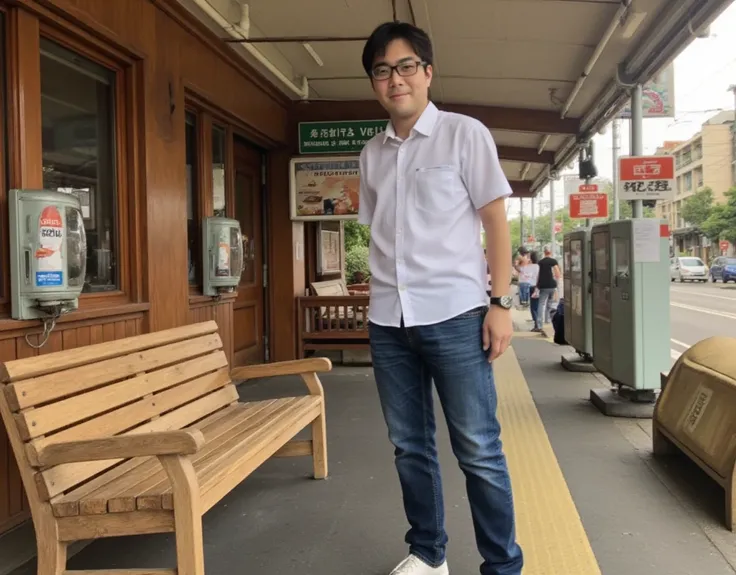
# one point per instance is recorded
(130, 213)
(207, 117)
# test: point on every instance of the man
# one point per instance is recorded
(549, 273)
(427, 184)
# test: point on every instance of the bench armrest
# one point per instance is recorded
(122, 447)
(294, 367)
(306, 368)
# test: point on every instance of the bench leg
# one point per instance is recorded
(319, 446)
(187, 515)
(51, 553)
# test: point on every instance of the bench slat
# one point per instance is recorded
(58, 479)
(247, 432)
(247, 414)
(54, 416)
(243, 428)
(38, 390)
(54, 362)
(218, 481)
(85, 495)
(129, 417)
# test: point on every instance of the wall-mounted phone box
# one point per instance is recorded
(222, 251)
(48, 253)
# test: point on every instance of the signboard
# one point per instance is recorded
(658, 96)
(723, 244)
(646, 177)
(586, 188)
(337, 137)
(324, 188)
(589, 205)
(558, 227)
(571, 184)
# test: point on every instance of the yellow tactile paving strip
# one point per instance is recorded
(549, 527)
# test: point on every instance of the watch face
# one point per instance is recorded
(507, 301)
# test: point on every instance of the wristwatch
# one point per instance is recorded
(505, 301)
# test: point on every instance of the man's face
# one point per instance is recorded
(402, 96)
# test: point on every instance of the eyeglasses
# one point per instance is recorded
(384, 71)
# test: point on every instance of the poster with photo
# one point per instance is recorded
(324, 188)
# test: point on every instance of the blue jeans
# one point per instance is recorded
(544, 311)
(405, 361)
(534, 307)
(524, 292)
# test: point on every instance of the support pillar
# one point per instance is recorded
(637, 138)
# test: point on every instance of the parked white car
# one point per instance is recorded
(688, 268)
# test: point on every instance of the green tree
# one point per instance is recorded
(356, 235)
(721, 223)
(698, 208)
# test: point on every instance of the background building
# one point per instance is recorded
(705, 160)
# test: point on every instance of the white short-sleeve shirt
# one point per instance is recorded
(421, 197)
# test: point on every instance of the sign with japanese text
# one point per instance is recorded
(589, 205)
(337, 137)
(646, 177)
(324, 188)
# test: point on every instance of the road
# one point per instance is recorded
(699, 311)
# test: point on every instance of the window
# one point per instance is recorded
(219, 204)
(78, 145)
(193, 239)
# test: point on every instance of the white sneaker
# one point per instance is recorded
(412, 565)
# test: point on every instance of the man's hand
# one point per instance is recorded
(497, 331)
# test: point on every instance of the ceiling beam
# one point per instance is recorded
(518, 154)
(494, 117)
(521, 188)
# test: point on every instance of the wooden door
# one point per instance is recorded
(248, 316)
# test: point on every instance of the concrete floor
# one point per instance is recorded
(643, 517)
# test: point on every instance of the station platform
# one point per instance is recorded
(590, 498)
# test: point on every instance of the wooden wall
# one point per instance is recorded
(173, 56)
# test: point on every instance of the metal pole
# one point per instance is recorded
(637, 138)
(616, 147)
(533, 234)
(521, 221)
(553, 242)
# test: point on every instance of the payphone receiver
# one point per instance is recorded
(48, 256)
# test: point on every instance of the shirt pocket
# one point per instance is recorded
(438, 189)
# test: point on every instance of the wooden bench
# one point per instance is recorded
(332, 323)
(144, 435)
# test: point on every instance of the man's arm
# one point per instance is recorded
(498, 245)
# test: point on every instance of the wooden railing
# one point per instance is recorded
(332, 323)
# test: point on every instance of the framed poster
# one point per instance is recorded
(324, 188)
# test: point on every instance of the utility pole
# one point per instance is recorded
(533, 234)
(637, 139)
(616, 131)
(732, 88)
(521, 221)
(553, 240)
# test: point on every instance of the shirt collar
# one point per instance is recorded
(425, 124)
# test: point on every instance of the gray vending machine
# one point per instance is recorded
(578, 321)
(631, 302)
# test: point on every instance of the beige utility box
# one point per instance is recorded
(696, 412)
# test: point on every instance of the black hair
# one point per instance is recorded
(534, 257)
(375, 46)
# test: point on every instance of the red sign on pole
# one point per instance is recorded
(589, 205)
(558, 227)
(646, 177)
(587, 188)
(723, 244)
